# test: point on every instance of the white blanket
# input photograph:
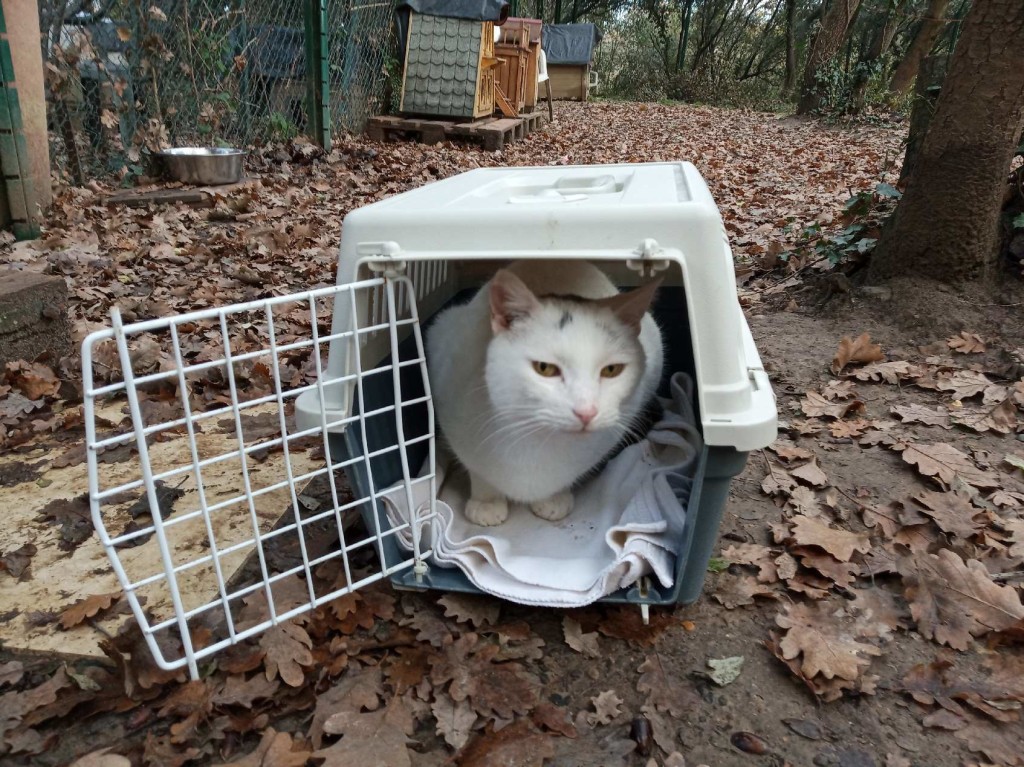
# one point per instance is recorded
(627, 522)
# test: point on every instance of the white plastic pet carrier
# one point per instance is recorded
(251, 405)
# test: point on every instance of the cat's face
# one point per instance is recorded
(564, 364)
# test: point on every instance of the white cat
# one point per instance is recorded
(538, 378)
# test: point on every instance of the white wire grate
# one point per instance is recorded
(192, 509)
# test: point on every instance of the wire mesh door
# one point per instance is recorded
(220, 516)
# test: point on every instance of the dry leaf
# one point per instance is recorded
(946, 463)
(87, 608)
(578, 641)
(407, 667)
(479, 611)
(238, 691)
(35, 379)
(554, 718)
(607, 706)
(816, 406)
(810, 531)
(811, 473)
(854, 351)
(663, 690)
(102, 758)
(952, 514)
(754, 554)
(375, 739)
(454, 720)
(913, 413)
(953, 600)
(966, 343)
(889, 372)
(1002, 419)
(518, 745)
(736, 591)
(825, 640)
(287, 647)
(358, 689)
(276, 749)
(1000, 745)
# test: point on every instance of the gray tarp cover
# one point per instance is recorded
(480, 10)
(571, 44)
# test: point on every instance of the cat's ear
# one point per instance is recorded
(631, 306)
(510, 300)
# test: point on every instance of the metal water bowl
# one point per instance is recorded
(204, 165)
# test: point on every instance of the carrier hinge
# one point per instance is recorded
(382, 258)
(648, 264)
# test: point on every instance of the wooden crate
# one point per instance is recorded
(512, 76)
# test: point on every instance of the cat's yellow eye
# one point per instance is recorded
(611, 371)
(546, 369)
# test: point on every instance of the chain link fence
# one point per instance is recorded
(124, 76)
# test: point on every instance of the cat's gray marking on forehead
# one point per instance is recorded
(565, 320)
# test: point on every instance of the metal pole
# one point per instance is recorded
(318, 73)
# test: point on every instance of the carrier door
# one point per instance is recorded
(220, 515)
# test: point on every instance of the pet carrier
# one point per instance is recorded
(363, 432)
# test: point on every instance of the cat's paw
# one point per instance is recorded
(487, 513)
(554, 508)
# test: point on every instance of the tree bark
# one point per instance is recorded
(789, 81)
(946, 226)
(881, 39)
(926, 93)
(827, 43)
(931, 25)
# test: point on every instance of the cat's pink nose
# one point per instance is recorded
(586, 413)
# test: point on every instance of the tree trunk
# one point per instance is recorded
(881, 39)
(947, 225)
(684, 35)
(827, 43)
(931, 25)
(789, 82)
(926, 94)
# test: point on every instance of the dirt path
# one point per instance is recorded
(861, 586)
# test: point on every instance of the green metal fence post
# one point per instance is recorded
(15, 164)
(318, 74)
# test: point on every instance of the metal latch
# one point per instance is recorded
(649, 262)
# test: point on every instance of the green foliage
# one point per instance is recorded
(863, 217)
(280, 128)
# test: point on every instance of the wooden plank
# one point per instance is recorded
(506, 106)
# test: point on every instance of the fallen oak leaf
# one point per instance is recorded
(35, 379)
(811, 473)
(825, 639)
(554, 718)
(276, 749)
(953, 600)
(287, 647)
(479, 611)
(889, 372)
(944, 462)
(607, 706)
(817, 406)
(810, 531)
(1001, 419)
(921, 414)
(951, 513)
(856, 351)
(454, 720)
(375, 739)
(734, 591)
(578, 641)
(518, 745)
(18, 562)
(966, 343)
(90, 607)
(664, 691)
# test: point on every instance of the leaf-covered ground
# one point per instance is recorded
(866, 600)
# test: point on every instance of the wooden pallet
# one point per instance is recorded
(494, 132)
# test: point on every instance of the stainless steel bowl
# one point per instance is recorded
(204, 165)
